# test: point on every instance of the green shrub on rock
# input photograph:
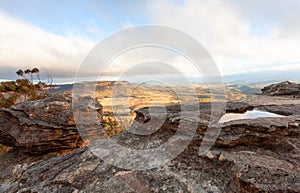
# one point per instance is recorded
(2, 88)
(10, 91)
(9, 85)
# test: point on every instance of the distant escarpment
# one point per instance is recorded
(282, 88)
(250, 155)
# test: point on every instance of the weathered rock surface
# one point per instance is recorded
(284, 109)
(42, 126)
(260, 132)
(259, 155)
(282, 88)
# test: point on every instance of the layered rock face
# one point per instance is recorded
(258, 155)
(283, 88)
(43, 126)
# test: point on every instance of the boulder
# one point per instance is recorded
(267, 132)
(43, 126)
(282, 88)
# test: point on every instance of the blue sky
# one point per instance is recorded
(241, 36)
(61, 17)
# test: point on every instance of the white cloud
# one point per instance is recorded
(227, 30)
(92, 28)
(163, 60)
(26, 46)
(241, 36)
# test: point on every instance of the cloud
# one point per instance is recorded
(149, 60)
(27, 46)
(240, 35)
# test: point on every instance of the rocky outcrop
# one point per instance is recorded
(282, 88)
(262, 155)
(261, 132)
(263, 172)
(43, 126)
(281, 109)
(259, 155)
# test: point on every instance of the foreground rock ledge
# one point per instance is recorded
(43, 126)
(261, 155)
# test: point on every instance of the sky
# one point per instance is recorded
(257, 36)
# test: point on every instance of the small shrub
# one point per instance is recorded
(26, 88)
(9, 85)
(7, 102)
(2, 88)
(22, 87)
(112, 127)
